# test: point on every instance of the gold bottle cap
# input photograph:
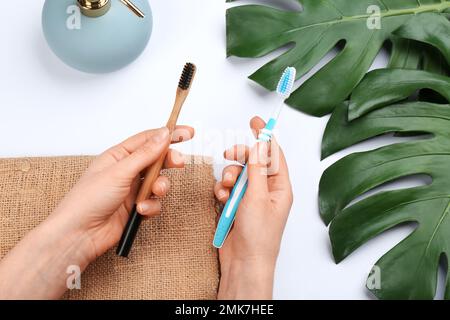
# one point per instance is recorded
(94, 8)
(97, 8)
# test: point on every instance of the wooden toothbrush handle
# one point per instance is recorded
(154, 171)
(150, 178)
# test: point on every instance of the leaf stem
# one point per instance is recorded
(438, 7)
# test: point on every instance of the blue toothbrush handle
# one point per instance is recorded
(229, 211)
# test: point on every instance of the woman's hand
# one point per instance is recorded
(91, 218)
(249, 254)
(101, 201)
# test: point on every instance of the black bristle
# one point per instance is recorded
(187, 76)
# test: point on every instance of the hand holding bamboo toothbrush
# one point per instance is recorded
(132, 227)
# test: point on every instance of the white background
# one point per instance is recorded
(49, 109)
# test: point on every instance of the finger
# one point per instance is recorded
(257, 169)
(182, 134)
(237, 153)
(130, 200)
(127, 147)
(279, 184)
(149, 208)
(174, 159)
(278, 161)
(161, 186)
(230, 175)
(144, 156)
(257, 124)
(222, 193)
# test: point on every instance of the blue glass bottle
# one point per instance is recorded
(97, 36)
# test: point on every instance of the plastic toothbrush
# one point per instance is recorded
(284, 89)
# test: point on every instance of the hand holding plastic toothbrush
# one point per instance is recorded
(248, 257)
(284, 89)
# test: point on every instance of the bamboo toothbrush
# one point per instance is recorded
(226, 220)
(153, 172)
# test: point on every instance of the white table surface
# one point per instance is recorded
(49, 109)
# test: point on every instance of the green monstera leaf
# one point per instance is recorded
(409, 270)
(409, 54)
(256, 30)
(386, 86)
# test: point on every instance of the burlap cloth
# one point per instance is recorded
(172, 258)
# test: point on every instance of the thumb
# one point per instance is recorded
(155, 146)
(257, 169)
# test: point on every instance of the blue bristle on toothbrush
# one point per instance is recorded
(286, 82)
(284, 89)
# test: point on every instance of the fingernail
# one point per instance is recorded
(181, 135)
(161, 135)
(229, 153)
(178, 158)
(142, 207)
(264, 146)
(221, 194)
(263, 149)
(164, 186)
(259, 153)
(227, 176)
